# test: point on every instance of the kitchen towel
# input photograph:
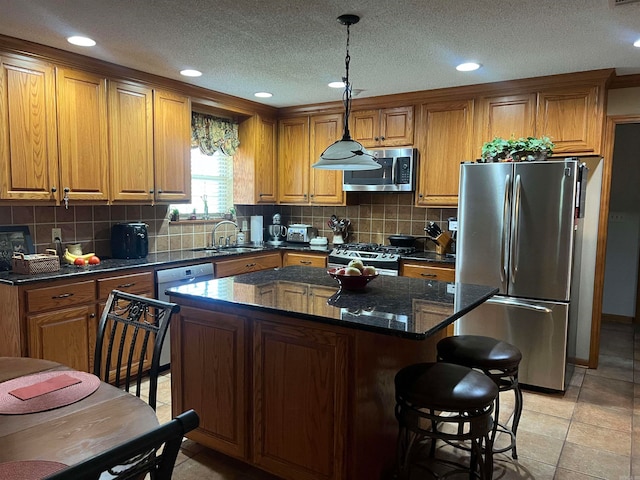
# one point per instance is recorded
(11, 405)
(46, 386)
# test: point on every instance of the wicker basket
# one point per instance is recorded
(36, 263)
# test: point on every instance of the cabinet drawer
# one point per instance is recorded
(246, 264)
(135, 283)
(41, 299)
(428, 272)
(304, 259)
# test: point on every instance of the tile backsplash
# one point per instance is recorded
(373, 216)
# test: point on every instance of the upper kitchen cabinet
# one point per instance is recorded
(254, 164)
(573, 118)
(445, 132)
(131, 142)
(293, 160)
(505, 116)
(301, 140)
(386, 127)
(82, 135)
(171, 146)
(325, 185)
(28, 131)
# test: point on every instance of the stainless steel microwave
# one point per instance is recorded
(398, 173)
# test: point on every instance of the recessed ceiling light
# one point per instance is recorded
(637, 43)
(468, 67)
(190, 73)
(263, 94)
(81, 41)
(336, 84)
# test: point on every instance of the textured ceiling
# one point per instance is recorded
(294, 48)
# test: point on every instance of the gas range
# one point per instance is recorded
(385, 258)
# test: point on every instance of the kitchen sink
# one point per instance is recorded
(223, 250)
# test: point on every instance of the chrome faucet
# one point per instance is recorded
(213, 233)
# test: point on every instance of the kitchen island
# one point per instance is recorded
(294, 376)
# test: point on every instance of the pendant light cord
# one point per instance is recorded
(346, 96)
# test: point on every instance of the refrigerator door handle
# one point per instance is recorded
(506, 208)
(515, 230)
(517, 303)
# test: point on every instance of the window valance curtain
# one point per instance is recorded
(211, 134)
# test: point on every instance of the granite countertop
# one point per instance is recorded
(388, 305)
(167, 259)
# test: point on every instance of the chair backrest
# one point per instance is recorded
(140, 455)
(131, 329)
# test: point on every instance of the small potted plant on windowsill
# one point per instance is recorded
(517, 149)
(174, 216)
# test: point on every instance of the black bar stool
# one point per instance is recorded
(442, 401)
(499, 361)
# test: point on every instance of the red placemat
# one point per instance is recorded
(29, 469)
(11, 405)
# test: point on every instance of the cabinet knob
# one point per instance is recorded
(260, 194)
(311, 195)
(54, 189)
(381, 138)
(159, 190)
(420, 195)
(92, 315)
(151, 191)
(376, 139)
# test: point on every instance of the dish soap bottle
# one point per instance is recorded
(240, 240)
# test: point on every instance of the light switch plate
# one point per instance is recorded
(56, 233)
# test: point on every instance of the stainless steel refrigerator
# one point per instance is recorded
(517, 229)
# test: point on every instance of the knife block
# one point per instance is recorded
(442, 243)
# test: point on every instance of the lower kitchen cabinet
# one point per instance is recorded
(428, 271)
(305, 259)
(64, 336)
(59, 321)
(210, 377)
(247, 263)
(299, 381)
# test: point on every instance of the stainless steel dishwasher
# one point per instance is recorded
(174, 277)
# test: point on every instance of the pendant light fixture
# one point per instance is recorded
(346, 153)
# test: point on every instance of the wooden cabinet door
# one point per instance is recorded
(387, 127)
(293, 160)
(209, 374)
(292, 297)
(427, 271)
(325, 185)
(365, 127)
(131, 142)
(319, 298)
(248, 263)
(444, 141)
(63, 336)
(505, 116)
(396, 126)
(304, 259)
(172, 146)
(300, 398)
(82, 135)
(28, 131)
(572, 117)
(254, 164)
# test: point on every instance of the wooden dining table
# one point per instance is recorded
(69, 434)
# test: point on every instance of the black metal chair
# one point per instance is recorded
(452, 403)
(128, 326)
(153, 452)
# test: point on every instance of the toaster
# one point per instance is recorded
(301, 233)
(129, 240)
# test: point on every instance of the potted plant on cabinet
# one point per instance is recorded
(517, 149)
(174, 215)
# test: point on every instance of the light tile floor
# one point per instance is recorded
(590, 432)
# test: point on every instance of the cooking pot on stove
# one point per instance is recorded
(403, 240)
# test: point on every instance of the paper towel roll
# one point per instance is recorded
(257, 230)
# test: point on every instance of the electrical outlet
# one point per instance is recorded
(56, 233)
